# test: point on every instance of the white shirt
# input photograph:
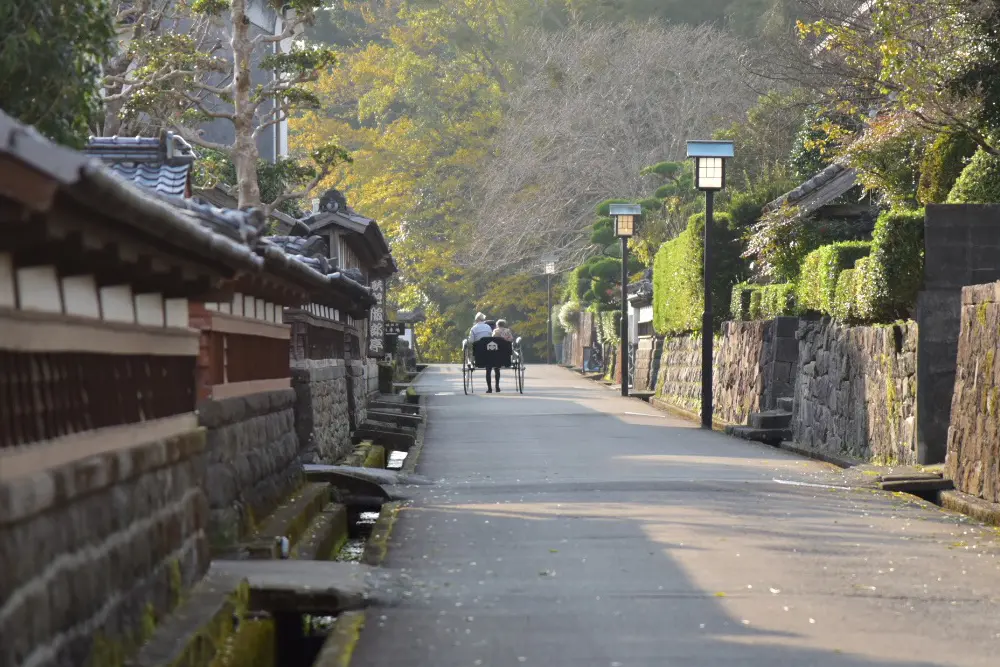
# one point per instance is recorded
(480, 330)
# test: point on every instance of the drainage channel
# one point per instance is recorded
(316, 629)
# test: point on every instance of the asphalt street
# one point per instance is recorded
(570, 526)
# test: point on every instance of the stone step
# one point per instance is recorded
(770, 436)
(324, 536)
(918, 485)
(786, 404)
(304, 586)
(288, 521)
(397, 418)
(770, 419)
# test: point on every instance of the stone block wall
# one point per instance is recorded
(322, 423)
(973, 459)
(357, 392)
(856, 391)
(645, 357)
(742, 370)
(679, 382)
(253, 460)
(753, 365)
(98, 551)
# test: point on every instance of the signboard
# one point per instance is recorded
(376, 320)
(395, 328)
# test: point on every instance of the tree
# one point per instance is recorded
(50, 63)
(592, 107)
(182, 79)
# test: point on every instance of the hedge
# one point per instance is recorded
(979, 182)
(845, 301)
(887, 283)
(816, 289)
(762, 302)
(677, 275)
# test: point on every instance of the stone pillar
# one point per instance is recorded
(784, 361)
(321, 409)
(961, 247)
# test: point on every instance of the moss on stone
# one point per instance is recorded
(252, 645)
(981, 314)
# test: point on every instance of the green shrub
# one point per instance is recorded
(844, 303)
(816, 289)
(979, 182)
(775, 301)
(888, 282)
(942, 165)
(739, 305)
(762, 302)
(677, 276)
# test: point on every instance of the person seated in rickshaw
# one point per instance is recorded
(506, 334)
(480, 329)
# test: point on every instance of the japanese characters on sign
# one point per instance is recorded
(395, 328)
(376, 320)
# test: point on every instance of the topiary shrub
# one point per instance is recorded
(942, 165)
(774, 301)
(845, 300)
(979, 182)
(816, 288)
(677, 276)
(887, 283)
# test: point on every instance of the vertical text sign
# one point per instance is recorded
(376, 320)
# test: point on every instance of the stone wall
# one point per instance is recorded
(357, 392)
(742, 370)
(856, 391)
(973, 460)
(753, 365)
(253, 460)
(96, 552)
(646, 362)
(322, 422)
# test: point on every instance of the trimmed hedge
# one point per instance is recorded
(887, 285)
(677, 275)
(762, 302)
(816, 289)
(845, 301)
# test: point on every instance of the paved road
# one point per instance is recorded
(572, 527)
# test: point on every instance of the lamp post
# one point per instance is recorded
(625, 216)
(550, 269)
(709, 177)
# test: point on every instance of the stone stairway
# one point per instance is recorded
(771, 427)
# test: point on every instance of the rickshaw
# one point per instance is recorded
(491, 353)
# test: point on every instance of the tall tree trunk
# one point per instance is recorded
(244, 154)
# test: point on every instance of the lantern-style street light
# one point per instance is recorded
(549, 264)
(709, 177)
(625, 216)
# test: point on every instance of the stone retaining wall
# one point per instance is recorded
(253, 460)
(96, 552)
(856, 391)
(973, 459)
(753, 366)
(645, 361)
(357, 393)
(322, 422)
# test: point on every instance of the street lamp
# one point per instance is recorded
(549, 263)
(625, 216)
(709, 177)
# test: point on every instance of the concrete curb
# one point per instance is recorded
(338, 650)
(977, 508)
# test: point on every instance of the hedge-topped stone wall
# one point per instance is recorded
(253, 460)
(96, 552)
(974, 435)
(856, 391)
(322, 422)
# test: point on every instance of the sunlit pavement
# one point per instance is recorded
(569, 526)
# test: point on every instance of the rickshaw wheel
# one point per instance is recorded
(520, 377)
(466, 378)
